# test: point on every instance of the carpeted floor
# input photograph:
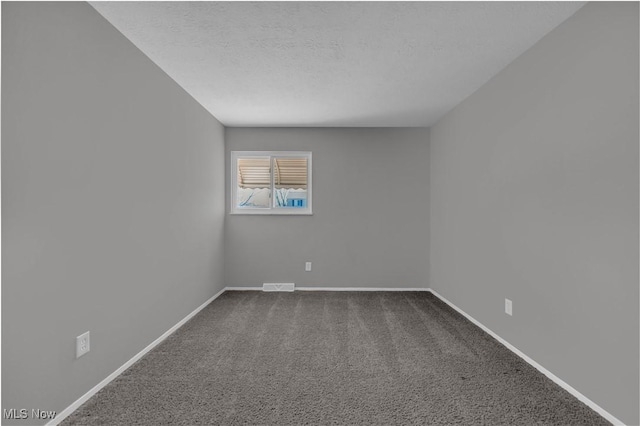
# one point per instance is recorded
(331, 358)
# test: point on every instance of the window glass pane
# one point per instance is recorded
(290, 182)
(254, 183)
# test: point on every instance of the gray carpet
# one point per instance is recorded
(331, 358)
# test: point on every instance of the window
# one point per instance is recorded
(270, 182)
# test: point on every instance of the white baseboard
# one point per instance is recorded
(73, 407)
(564, 385)
(333, 289)
(243, 288)
(359, 289)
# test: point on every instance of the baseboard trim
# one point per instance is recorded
(595, 407)
(243, 288)
(333, 289)
(74, 406)
(359, 289)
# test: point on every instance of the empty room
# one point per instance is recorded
(351, 213)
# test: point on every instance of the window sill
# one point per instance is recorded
(270, 213)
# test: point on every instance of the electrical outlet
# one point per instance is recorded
(82, 344)
(307, 267)
(508, 307)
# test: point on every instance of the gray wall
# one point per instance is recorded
(534, 197)
(370, 223)
(112, 202)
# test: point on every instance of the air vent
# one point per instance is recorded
(278, 286)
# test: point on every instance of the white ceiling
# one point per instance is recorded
(299, 64)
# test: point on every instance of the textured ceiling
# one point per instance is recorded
(299, 64)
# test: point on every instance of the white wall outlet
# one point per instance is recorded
(82, 344)
(508, 307)
(307, 266)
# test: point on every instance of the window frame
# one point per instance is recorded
(271, 210)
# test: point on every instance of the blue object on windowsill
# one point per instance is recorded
(296, 203)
